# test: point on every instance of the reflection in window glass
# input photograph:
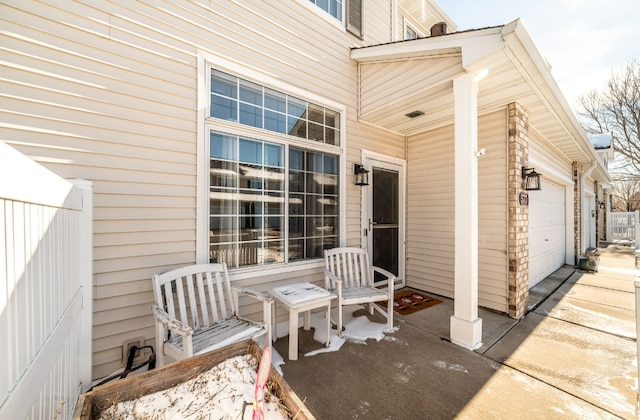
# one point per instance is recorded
(250, 93)
(313, 208)
(223, 146)
(254, 105)
(250, 115)
(271, 202)
(249, 204)
(250, 151)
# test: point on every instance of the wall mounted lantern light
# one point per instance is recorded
(362, 175)
(601, 204)
(531, 179)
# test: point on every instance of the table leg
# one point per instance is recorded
(274, 322)
(307, 320)
(293, 334)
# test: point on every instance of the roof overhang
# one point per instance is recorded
(417, 75)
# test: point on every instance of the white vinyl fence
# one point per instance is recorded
(622, 225)
(45, 289)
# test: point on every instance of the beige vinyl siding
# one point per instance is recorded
(106, 91)
(377, 21)
(430, 212)
(493, 212)
(377, 77)
(421, 15)
(368, 138)
(424, 28)
(541, 150)
(430, 230)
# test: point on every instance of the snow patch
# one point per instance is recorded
(451, 366)
(218, 393)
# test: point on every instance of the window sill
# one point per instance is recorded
(262, 270)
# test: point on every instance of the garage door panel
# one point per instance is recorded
(547, 229)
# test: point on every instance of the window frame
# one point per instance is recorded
(343, 23)
(408, 24)
(207, 124)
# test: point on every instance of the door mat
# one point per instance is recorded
(407, 301)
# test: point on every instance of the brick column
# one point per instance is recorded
(577, 207)
(518, 249)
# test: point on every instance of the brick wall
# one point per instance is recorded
(518, 149)
(577, 206)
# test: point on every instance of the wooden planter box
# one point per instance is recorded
(92, 403)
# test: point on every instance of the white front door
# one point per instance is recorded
(385, 214)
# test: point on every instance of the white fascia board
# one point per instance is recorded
(450, 44)
(521, 45)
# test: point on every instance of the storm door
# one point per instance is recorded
(385, 217)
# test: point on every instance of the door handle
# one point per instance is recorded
(371, 223)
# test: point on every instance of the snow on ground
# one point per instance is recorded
(357, 329)
(619, 270)
(223, 391)
(220, 393)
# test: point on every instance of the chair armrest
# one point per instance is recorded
(391, 278)
(329, 275)
(170, 322)
(252, 293)
(267, 306)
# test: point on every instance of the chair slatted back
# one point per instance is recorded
(197, 295)
(351, 265)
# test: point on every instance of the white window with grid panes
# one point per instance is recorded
(410, 32)
(274, 183)
(348, 12)
(333, 7)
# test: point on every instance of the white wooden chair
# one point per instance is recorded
(349, 275)
(196, 311)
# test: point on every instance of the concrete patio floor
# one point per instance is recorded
(572, 356)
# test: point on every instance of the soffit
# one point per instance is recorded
(399, 78)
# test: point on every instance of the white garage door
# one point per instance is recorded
(546, 231)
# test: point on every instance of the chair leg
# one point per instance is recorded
(390, 314)
(159, 354)
(339, 320)
(159, 346)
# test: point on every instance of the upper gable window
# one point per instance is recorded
(410, 33)
(248, 103)
(333, 7)
(352, 13)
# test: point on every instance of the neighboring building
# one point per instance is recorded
(228, 131)
(603, 145)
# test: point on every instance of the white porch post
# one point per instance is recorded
(466, 327)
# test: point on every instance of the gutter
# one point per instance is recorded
(553, 96)
(590, 169)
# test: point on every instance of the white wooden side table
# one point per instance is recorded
(296, 298)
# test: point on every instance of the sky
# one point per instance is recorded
(584, 41)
